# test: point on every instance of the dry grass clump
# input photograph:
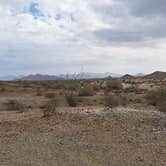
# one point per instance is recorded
(71, 85)
(50, 108)
(50, 95)
(112, 100)
(134, 89)
(114, 85)
(87, 90)
(38, 92)
(158, 98)
(16, 105)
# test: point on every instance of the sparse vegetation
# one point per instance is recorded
(16, 105)
(87, 90)
(66, 130)
(114, 85)
(71, 99)
(158, 98)
(50, 95)
(134, 89)
(38, 92)
(112, 100)
(50, 108)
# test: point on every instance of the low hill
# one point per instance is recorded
(156, 75)
(127, 76)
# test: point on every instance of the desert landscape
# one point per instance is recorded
(82, 82)
(111, 121)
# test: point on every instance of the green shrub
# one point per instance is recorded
(87, 90)
(113, 85)
(158, 98)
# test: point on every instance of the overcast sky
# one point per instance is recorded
(72, 36)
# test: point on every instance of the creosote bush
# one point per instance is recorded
(158, 98)
(112, 85)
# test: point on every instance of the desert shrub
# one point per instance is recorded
(50, 108)
(113, 85)
(87, 90)
(134, 89)
(70, 97)
(16, 105)
(131, 89)
(2, 89)
(158, 98)
(50, 95)
(96, 87)
(38, 92)
(112, 100)
(71, 85)
(162, 106)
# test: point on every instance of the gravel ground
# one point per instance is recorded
(101, 137)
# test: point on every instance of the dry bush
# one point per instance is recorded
(50, 95)
(16, 105)
(134, 89)
(158, 98)
(97, 87)
(2, 89)
(38, 92)
(71, 85)
(112, 100)
(131, 89)
(50, 108)
(87, 90)
(112, 85)
(70, 97)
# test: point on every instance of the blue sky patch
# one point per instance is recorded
(34, 10)
(58, 16)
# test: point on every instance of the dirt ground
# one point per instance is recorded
(97, 137)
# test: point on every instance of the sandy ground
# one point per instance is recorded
(83, 137)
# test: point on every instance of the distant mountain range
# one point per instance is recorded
(155, 75)
(70, 76)
(89, 75)
(41, 77)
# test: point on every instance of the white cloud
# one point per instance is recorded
(44, 44)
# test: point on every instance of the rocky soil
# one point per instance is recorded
(85, 137)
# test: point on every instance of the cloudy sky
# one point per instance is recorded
(69, 36)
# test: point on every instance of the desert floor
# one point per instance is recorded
(83, 137)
